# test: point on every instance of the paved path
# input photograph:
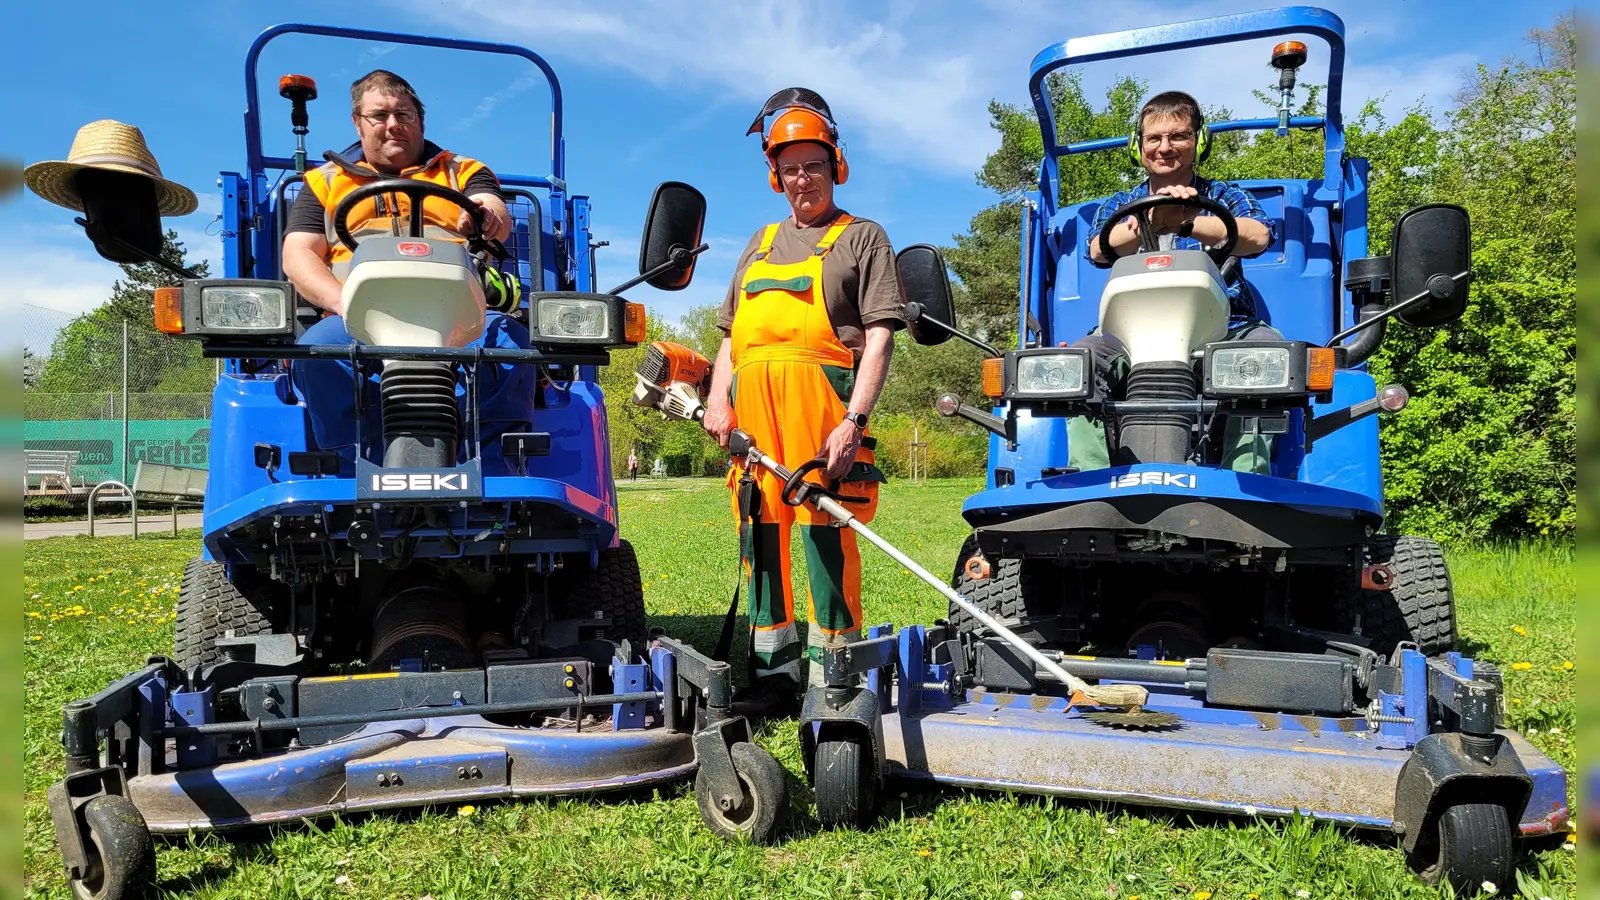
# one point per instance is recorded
(106, 527)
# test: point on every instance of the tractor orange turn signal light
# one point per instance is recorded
(634, 321)
(169, 310)
(1319, 369)
(993, 385)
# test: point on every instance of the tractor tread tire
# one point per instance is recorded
(1418, 606)
(615, 588)
(209, 606)
(1000, 595)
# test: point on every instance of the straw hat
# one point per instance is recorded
(110, 145)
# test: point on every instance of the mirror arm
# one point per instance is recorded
(98, 235)
(1392, 311)
(1005, 429)
(915, 313)
(678, 258)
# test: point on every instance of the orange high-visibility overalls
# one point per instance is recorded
(788, 366)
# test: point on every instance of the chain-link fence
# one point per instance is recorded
(113, 390)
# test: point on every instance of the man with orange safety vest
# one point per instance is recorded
(388, 118)
(810, 319)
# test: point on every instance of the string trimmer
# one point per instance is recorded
(673, 379)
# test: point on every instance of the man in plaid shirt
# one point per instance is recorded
(1168, 140)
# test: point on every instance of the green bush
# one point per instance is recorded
(954, 449)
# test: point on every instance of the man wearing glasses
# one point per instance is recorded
(809, 322)
(1169, 141)
(388, 118)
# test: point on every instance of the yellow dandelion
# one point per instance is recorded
(38, 637)
(35, 615)
(1202, 895)
(466, 811)
(924, 853)
(1567, 664)
(1522, 666)
(1520, 630)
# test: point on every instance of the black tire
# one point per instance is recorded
(1002, 595)
(1471, 844)
(209, 606)
(122, 857)
(844, 784)
(614, 588)
(766, 794)
(1418, 606)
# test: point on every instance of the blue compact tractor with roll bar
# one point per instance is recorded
(1258, 644)
(444, 611)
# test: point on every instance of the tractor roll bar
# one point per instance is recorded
(1182, 36)
(252, 113)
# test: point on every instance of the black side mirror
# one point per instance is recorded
(672, 231)
(1432, 254)
(121, 214)
(926, 283)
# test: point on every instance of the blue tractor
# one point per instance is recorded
(445, 612)
(1281, 651)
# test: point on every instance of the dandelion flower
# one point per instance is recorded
(1567, 664)
(924, 853)
(466, 811)
(1520, 630)
(1522, 666)
(1202, 895)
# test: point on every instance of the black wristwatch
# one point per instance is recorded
(857, 419)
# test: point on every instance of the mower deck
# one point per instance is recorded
(1217, 760)
(410, 762)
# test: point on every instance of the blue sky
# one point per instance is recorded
(653, 91)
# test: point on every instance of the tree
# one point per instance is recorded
(86, 356)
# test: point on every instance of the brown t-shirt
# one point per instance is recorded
(860, 283)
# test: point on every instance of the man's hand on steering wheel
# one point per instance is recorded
(1141, 210)
(491, 224)
(1168, 219)
(472, 212)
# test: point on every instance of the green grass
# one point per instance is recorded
(651, 844)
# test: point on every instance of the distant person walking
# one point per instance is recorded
(633, 465)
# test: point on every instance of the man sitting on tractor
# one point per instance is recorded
(388, 119)
(1170, 140)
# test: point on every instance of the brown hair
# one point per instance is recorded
(384, 82)
(1172, 105)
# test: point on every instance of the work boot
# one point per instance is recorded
(767, 698)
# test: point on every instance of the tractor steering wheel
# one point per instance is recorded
(412, 188)
(1149, 241)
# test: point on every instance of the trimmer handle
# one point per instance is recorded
(796, 490)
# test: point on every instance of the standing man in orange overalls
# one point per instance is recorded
(810, 319)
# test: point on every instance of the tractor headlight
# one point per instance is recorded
(574, 319)
(240, 308)
(571, 317)
(1266, 369)
(253, 308)
(1055, 373)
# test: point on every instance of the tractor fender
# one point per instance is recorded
(1443, 771)
(855, 715)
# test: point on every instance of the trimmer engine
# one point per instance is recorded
(673, 379)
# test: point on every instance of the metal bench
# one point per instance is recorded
(158, 483)
(49, 473)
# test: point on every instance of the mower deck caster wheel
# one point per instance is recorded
(766, 797)
(1472, 845)
(844, 784)
(122, 858)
